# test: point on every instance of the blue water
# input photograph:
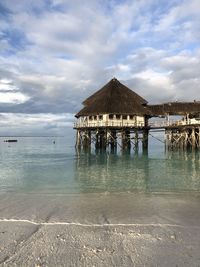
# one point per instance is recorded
(37, 165)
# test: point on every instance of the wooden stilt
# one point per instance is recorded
(103, 140)
(145, 139)
(112, 138)
(136, 140)
(193, 138)
(128, 140)
(97, 141)
(78, 139)
(183, 138)
(123, 139)
(199, 137)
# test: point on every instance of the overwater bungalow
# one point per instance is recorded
(116, 115)
(112, 111)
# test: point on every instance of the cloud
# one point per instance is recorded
(56, 53)
(9, 93)
(45, 124)
(7, 85)
(15, 98)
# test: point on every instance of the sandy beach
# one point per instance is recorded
(118, 229)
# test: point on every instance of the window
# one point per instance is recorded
(111, 116)
(131, 117)
(100, 117)
(90, 118)
(118, 117)
(95, 118)
(124, 117)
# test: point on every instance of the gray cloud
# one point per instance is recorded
(35, 124)
(71, 48)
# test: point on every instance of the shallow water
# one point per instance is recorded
(37, 165)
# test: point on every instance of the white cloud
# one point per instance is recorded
(65, 50)
(30, 124)
(154, 78)
(13, 98)
(7, 85)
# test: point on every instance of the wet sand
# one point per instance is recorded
(126, 229)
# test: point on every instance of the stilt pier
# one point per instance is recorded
(183, 137)
(112, 138)
(115, 116)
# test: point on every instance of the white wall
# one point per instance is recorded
(105, 121)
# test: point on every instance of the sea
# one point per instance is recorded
(52, 165)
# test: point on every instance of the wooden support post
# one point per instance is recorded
(193, 138)
(199, 138)
(89, 138)
(113, 143)
(97, 141)
(114, 134)
(123, 137)
(166, 139)
(196, 137)
(187, 118)
(145, 139)
(181, 143)
(85, 140)
(128, 140)
(136, 140)
(185, 139)
(189, 143)
(167, 119)
(170, 139)
(78, 141)
(173, 140)
(103, 140)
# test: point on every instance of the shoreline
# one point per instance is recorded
(105, 193)
(99, 230)
(98, 208)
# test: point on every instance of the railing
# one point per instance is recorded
(160, 124)
(107, 124)
(154, 124)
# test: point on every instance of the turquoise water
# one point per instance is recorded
(36, 165)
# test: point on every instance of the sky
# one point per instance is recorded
(55, 53)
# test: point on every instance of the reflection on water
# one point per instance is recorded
(56, 168)
(111, 172)
(178, 171)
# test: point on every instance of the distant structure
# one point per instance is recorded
(183, 133)
(117, 116)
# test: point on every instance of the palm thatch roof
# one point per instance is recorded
(175, 108)
(114, 98)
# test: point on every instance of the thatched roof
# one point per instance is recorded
(175, 108)
(114, 98)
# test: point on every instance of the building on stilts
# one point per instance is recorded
(184, 131)
(113, 116)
